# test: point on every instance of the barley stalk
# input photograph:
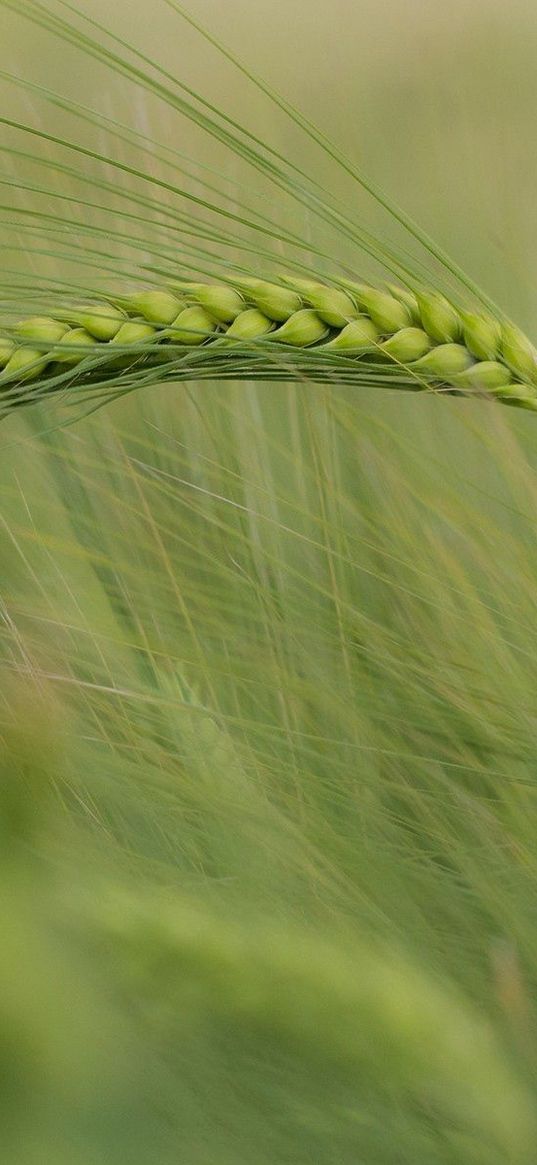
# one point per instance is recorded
(344, 332)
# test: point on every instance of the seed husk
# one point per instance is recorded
(192, 326)
(518, 353)
(157, 307)
(302, 329)
(102, 321)
(250, 324)
(407, 345)
(445, 361)
(360, 335)
(485, 375)
(71, 347)
(41, 329)
(482, 335)
(388, 314)
(439, 318)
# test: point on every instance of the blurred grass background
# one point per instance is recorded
(268, 652)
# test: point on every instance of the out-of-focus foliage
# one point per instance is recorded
(274, 893)
(268, 789)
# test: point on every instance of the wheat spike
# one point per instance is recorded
(345, 332)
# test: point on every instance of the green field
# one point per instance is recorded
(268, 796)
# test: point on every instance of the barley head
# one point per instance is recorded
(344, 331)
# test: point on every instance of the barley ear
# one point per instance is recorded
(345, 331)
